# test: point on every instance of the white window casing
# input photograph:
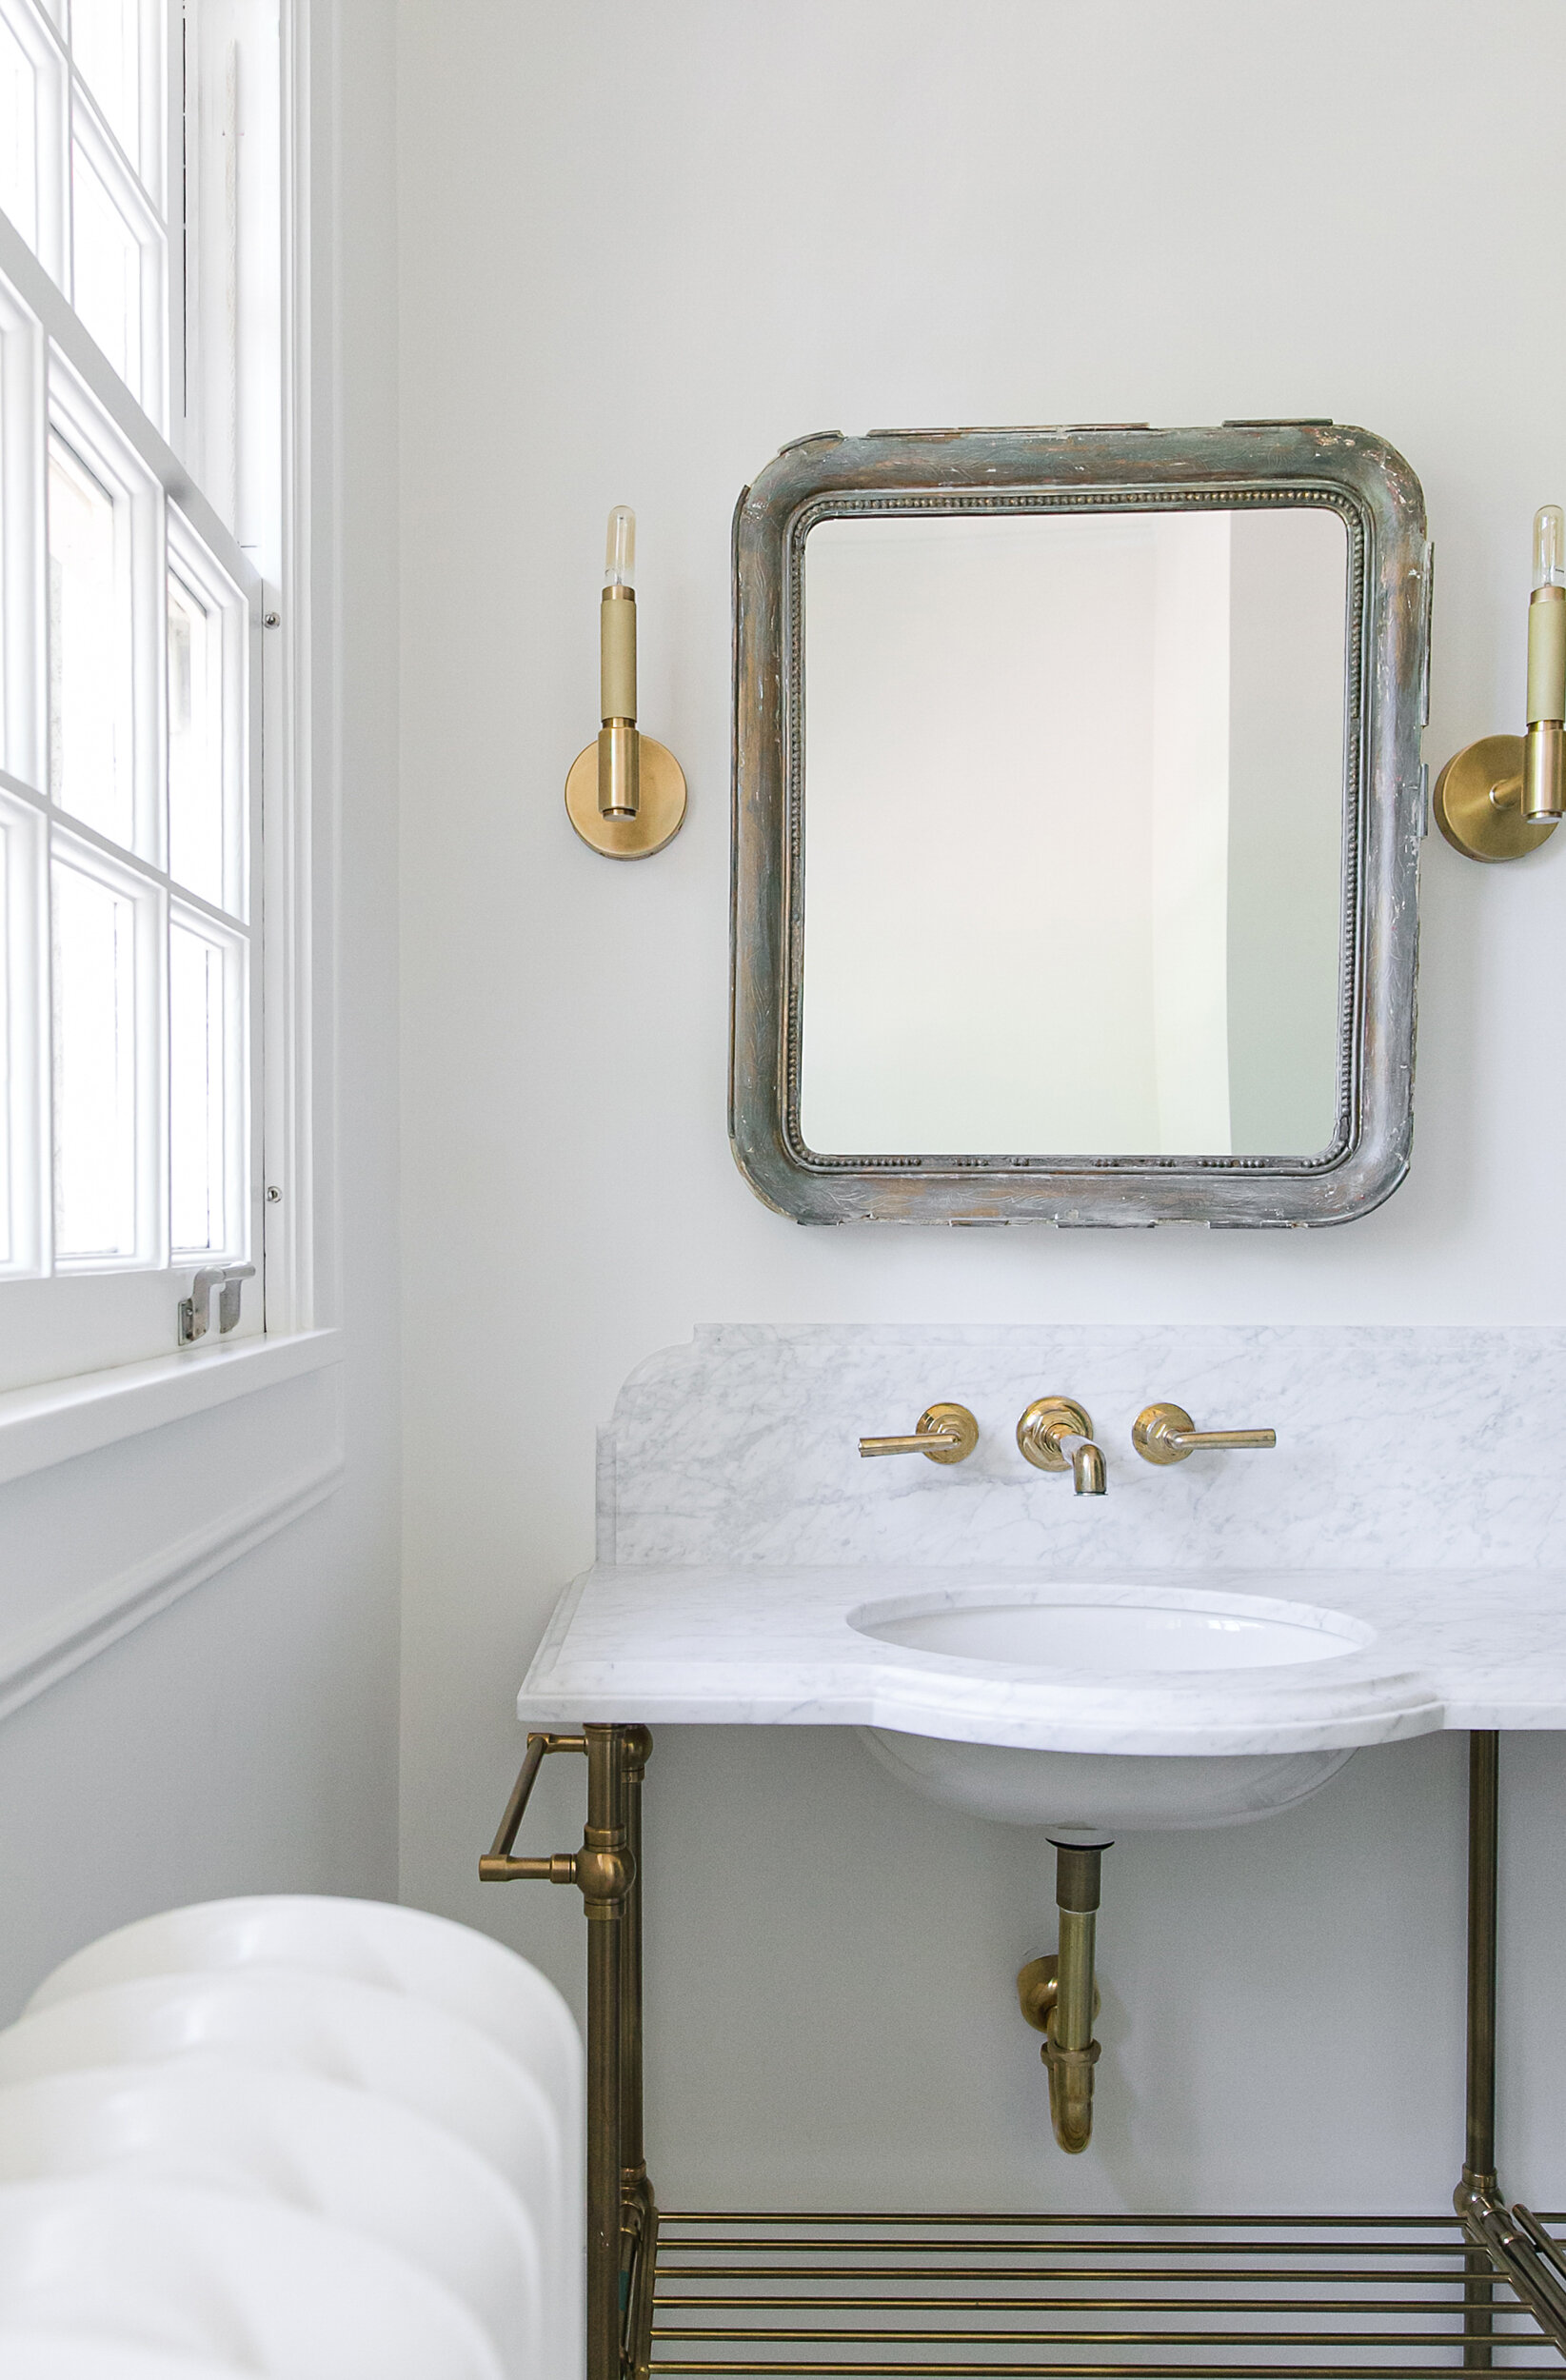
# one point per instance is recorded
(185, 934)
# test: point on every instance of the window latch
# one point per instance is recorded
(195, 1312)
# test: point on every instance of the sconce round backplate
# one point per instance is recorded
(1479, 802)
(657, 822)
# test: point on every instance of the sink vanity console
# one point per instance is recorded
(1079, 798)
(1204, 1644)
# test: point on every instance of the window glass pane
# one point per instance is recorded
(88, 630)
(196, 1091)
(94, 1067)
(18, 137)
(7, 1089)
(108, 264)
(105, 46)
(195, 743)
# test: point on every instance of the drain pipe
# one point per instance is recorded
(1060, 1997)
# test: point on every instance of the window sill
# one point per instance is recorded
(61, 1419)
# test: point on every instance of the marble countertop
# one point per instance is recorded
(772, 1645)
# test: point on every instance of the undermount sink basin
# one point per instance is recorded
(1076, 1631)
(1105, 1636)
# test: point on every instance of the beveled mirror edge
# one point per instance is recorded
(1387, 799)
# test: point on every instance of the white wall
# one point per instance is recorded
(641, 248)
(245, 1738)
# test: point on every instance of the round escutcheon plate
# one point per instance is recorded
(657, 822)
(1466, 809)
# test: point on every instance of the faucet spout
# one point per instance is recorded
(1087, 1469)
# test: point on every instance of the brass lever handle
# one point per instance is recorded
(1164, 1433)
(942, 1433)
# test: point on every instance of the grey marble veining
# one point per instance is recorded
(1395, 1447)
(1417, 1488)
(745, 1644)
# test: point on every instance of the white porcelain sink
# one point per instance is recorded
(1082, 1629)
(1129, 1638)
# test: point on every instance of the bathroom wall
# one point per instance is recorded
(245, 1738)
(639, 249)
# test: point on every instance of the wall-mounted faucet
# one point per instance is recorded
(942, 1433)
(1056, 1433)
(1164, 1433)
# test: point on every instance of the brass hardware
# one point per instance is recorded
(1479, 802)
(625, 793)
(1063, 2296)
(1483, 2278)
(621, 2212)
(619, 769)
(1503, 796)
(1058, 1997)
(1042, 1434)
(942, 1433)
(1039, 1986)
(662, 803)
(1164, 1433)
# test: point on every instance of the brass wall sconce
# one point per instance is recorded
(625, 794)
(1503, 796)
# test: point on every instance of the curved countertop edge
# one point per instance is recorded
(754, 1645)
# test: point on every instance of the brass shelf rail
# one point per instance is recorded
(963, 2297)
(992, 2297)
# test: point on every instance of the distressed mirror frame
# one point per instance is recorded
(1385, 806)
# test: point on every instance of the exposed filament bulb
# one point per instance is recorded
(620, 548)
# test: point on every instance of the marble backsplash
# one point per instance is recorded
(1396, 1447)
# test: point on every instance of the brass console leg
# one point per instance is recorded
(1478, 2186)
(622, 2215)
(605, 1874)
(639, 2214)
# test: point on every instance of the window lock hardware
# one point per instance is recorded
(195, 1312)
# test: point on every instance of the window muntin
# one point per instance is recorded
(130, 752)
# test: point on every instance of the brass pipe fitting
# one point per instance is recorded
(1059, 1996)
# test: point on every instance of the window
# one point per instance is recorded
(139, 322)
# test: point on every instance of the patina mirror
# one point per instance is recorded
(1076, 809)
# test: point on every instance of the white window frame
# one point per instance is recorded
(292, 1241)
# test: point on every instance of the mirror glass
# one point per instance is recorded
(1074, 831)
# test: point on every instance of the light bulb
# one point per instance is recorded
(1544, 749)
(620, 548)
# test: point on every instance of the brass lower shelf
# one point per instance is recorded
(958, 2296)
